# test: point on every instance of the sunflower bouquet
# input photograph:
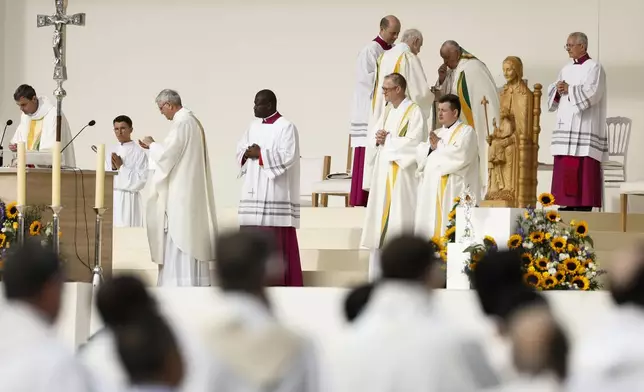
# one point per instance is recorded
(476, 253)
(33, 221)
(440, 244)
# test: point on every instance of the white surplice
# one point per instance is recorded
(42, 125)
(543, 383)
(580, 129)
(252, 352)
(270, 195)
(180, 214)
(402, 342)
(471, 80)
(363, 93)
(611, 356)
(33, 359)
(401, 60)
(444, 173)
(128, 183)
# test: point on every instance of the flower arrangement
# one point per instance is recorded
(33, 221)
(556, 255)
(440, 243)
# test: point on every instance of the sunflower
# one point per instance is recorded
(572, 248)
(533, 279)
(581, 282)
(450, 231)
(581, 229)
(34, 228)
(12, 210)
(527, 259)
(541, 263)
(550, 281)
(451, 215)
(558, 244)
(515, 241)
(571, 266)
(3, 239)
(537, 237)
(490, 241)
(457, 200)
(561, 274)
(546, 199)
(553, 216)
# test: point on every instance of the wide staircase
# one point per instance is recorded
(329, 240)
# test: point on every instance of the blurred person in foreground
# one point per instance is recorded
(401, 340)
(610, 355)
(33, 359)
(251, 350)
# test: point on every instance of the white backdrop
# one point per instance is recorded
(219, 54)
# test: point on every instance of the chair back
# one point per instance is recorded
(618, 130)
(312, 170)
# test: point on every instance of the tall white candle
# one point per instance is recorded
(22, 174)
(55, 175)
(100, 177)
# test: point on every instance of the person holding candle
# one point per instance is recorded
(180, 214)
(37, 127)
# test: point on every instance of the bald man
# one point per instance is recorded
(403, 60)
(365, 79)
(464, 75)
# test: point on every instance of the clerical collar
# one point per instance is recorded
(129, 141)
(454, 123)
(272, 118)
(382, 43)
(582, 59)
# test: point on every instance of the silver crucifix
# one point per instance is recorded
(60, 20)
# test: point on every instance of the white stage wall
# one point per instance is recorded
(218, 54)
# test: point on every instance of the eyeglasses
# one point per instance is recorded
(162, 106)
(387, 89)
(568, 46)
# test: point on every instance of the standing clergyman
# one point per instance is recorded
(579, 144)
(181, 221)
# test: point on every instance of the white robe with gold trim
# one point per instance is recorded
(444, 174)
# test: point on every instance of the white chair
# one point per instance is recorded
(625, 189)
(618, 130)
(312, 170)
(333, 187)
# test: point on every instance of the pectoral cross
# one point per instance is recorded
(60, 20)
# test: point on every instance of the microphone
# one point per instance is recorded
(94, 148)
(9, 122)
(89, 124)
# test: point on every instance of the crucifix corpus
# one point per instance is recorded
(60, 20)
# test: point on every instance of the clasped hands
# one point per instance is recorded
(433, 140)
(252, 152)
(117, 162)
(562, 87)
(381, 136)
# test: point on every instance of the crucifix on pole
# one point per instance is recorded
(60, 20)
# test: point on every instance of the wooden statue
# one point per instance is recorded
(514, 141)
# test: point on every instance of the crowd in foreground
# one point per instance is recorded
(396, 337)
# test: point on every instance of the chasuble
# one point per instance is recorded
(38, 131)
(444, 174)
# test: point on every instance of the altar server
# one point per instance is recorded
(467, 77)
(269, 157)
(251, 349)
(33, 358)
(130, 162)
(579, 143)
(180, 214)
(392, 158)
(402, 59)
(362, 97)
(402, 341)
(611, 356)
(447, 164)
(37, 127)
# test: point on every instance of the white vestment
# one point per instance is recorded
(270, 195)
(128, 183)
(363, 94)
(543, 383)
(580, 129)
(100, 357)
(180, 214)
(402, 342)
(611, 356)
(32, 357)
(38, 132)
(445, 173)
(392, 201)
(471, 81)
(252, 352)
(398, 59)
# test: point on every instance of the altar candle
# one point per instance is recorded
(22, 174)
(100, 177)
(55, 175)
